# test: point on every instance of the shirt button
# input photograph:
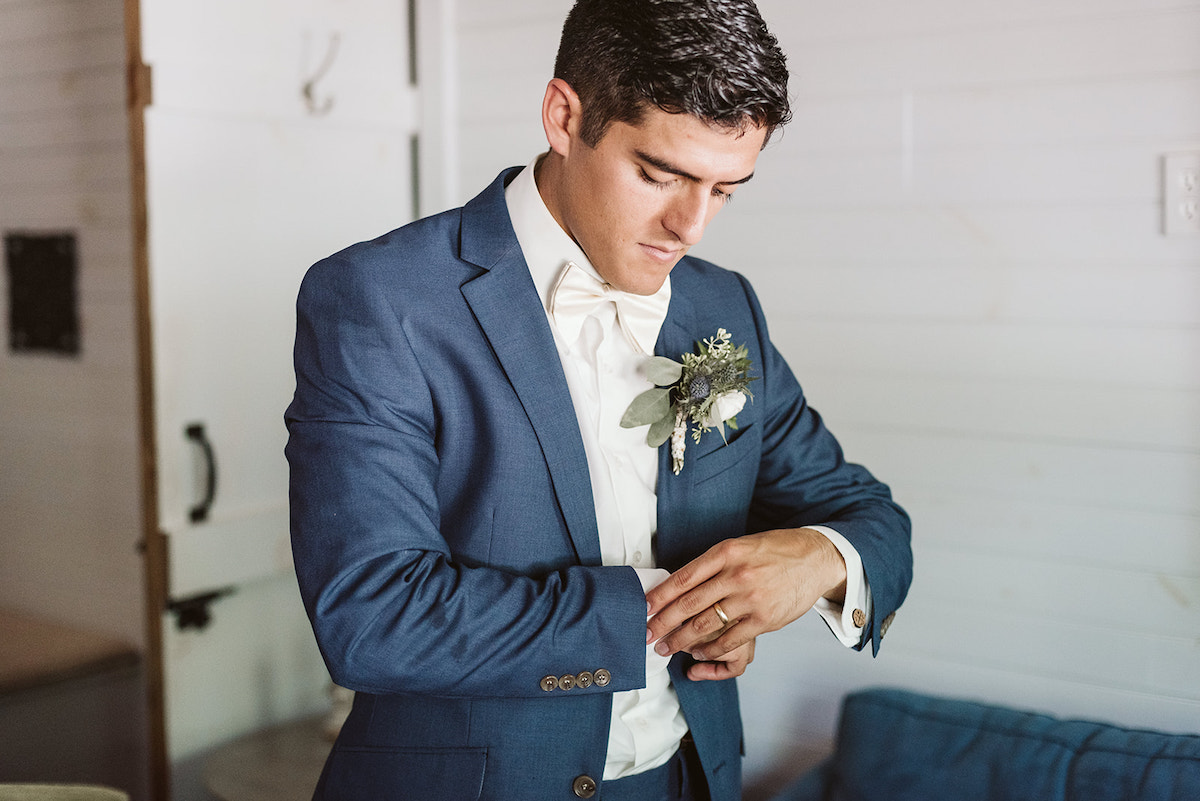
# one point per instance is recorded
(859, 618)
(637, 557)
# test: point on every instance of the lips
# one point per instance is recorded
(660, 254)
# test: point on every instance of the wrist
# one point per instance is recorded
(834, 574)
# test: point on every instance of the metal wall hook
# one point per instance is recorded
(315, 108)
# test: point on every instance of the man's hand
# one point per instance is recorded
(762, 581)
(726, 666)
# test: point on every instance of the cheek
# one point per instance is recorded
(643, 211)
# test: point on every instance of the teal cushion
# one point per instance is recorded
(894, 745)
(1119, 765)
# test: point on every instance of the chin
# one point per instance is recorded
(643, 286)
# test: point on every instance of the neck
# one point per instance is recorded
(547, 174)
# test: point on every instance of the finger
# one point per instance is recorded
(686, 578)
(702, 628)
(695, 608)
(725, 646)
(715, 671)
(733, 665)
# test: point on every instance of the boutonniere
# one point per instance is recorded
(706, 389)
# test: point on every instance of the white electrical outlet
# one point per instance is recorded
(1181, 193)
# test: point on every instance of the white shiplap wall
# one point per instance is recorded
(958, 244)
(69, 480)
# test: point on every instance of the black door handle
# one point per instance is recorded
(195, 433)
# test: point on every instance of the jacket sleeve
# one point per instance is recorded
(394, 607)
(805, 480)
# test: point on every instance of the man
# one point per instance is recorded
(482, 548)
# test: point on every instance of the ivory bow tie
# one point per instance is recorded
(578, 293)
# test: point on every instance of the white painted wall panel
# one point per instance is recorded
(1036, 52)
(51, 19)
(986, 236)
(1009, 408)
(1165, 358)
(69, 493)
(808, 21)
(1128, 479)
(988, 522)
(1118, 294)
(48, 132)
(957, 242)
(1125, 600)
(68, 55)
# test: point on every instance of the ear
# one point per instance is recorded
(561, 115)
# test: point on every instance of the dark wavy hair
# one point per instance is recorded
(713, 59)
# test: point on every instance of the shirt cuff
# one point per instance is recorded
(651, 577)
(841, 618)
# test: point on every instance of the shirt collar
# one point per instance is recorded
(546, 246)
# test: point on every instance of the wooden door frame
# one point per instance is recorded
(153, 543)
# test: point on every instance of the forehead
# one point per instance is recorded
(705, 151)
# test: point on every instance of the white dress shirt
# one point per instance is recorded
(604, 372)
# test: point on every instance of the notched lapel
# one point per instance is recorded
(674, 491)
(508, 309)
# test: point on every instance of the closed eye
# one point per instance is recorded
(646, 177)
(717, 192)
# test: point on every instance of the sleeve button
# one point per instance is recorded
(602, 677)
(584, 679)
(550, 683)
(566, 682)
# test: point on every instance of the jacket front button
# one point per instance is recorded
(550, 683)
(602, 677)
(584, 786)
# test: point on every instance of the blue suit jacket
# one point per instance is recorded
(443, 526)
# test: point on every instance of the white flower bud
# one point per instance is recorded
(726, 405)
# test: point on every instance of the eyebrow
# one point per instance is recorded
(666, 166)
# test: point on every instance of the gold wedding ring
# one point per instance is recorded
(721, 613)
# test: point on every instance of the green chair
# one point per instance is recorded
(59, 792)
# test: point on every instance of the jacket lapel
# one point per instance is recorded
(508, 309)
(674, 491)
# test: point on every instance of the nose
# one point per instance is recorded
(687, 215)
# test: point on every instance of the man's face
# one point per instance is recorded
(643, 196)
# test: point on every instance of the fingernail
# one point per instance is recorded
(662, 649)
(649, 636)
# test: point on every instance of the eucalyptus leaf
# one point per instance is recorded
(660, 431)
(649, 407)
(663, 371)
